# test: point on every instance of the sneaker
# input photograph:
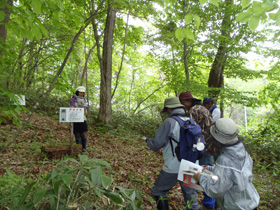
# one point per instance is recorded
(84, 151)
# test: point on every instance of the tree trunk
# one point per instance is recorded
(216, 75)
(105, 111)
(3, 30)
(124, 43)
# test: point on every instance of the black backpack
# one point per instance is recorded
(190, 135)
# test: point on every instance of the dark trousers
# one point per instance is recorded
(166, 181)
(81, 139)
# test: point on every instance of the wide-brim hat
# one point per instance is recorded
(187, 96)
(225, 131)
(172, 102)
(81, 89)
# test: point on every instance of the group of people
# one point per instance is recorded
(231, 188)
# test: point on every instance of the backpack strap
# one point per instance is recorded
(172, 148)
(181, 123)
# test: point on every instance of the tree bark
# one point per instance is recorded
(216, 75)
(105, 111)
(3, 29)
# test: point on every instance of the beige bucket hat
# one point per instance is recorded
(225, 131)
(172, 102)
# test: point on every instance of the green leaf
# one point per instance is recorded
(256, 6)
(67, 179)
(106, 181)
(276, 17)
(2, 15)
(83, 159)
(115, 197)
(273, 16)
(245, 3)
(203, 1)
(95, 176)
(39, 196)
(36, 5)
(243, 17)
(56, 186)
(43, 30)
(215, 2)
(188, 18)
(37, 32)
(188, 34)
(253, 23)
(179, 33)
(25, 194)
(197, 20)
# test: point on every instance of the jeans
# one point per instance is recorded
(166, 181)
(207, 201)
(81, 139)
(206, 160)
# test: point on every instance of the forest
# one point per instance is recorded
(129, 55)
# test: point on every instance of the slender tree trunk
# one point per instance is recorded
(185, 56)
(105, 111)
(3, 29)
(120, 69)
(186, 65)
(216, 75)
(86, 63)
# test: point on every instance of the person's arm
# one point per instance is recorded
(161, 136)
(72, 102)
(217, 185)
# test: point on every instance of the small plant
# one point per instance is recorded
(72, 184)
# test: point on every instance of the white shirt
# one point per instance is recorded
(216, 114)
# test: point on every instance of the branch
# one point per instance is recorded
(146, 108)
(147, 98)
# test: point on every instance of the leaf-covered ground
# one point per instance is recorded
(134, 165)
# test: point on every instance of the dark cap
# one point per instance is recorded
(207, 100)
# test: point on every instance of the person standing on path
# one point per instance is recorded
(167, 178)
(78, 100)
(231, 182)
(204, 119)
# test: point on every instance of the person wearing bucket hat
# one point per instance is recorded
(231, 183)
(78, 100)
(204, 119)
(167, 178)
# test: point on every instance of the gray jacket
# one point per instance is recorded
(234, 188)
(170, 128)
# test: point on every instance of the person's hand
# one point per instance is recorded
(195, 176)
(205, 167)
(144, 138)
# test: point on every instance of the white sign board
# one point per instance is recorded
(20, 100)
(71, 114)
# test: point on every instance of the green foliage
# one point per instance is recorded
(80, 184)
(257, 11)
